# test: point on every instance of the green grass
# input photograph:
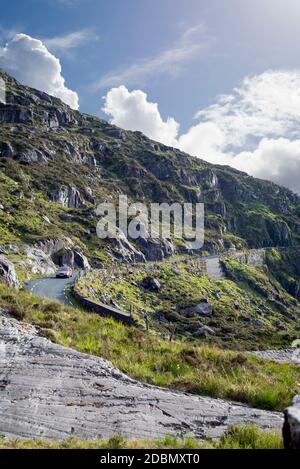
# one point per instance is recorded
(244, 437)
(179, 365)
(248, 295)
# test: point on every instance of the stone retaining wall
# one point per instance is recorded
(103, 309)
(252, 257)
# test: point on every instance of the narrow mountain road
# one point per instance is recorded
(52, 288)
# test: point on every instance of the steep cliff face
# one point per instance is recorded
(56, 164)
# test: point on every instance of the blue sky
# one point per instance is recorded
(183, 54)
(246, 37)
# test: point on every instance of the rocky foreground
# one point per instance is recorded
(49, 391)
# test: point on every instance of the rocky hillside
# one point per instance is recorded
(56, 164)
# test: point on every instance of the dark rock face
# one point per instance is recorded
(49, 391)
(15, 116)
(155, 249)
(81, 261)
(291, 426)
(152, 284)
(7, 150)
(72, 258)
(8, 273)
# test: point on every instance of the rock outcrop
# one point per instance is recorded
(68, 197)
(71, 257)
(8, 272)
(291, 426)
(155, 249)
(49, 391)
(123, 250)
(39, 263)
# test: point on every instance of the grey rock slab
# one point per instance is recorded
(52, 392)
(281, 356)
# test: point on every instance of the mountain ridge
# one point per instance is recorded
(57, 165)
(44, 142)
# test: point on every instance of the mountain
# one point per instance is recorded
(57, 164)
(60, 162)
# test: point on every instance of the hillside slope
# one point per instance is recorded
(56, 164)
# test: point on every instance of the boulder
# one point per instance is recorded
(51, 392)
(291, 426)
(8, 273)
(204, 308)
(152, 284)
(117, 133)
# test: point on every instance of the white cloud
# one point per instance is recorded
(256, 128)
(275, 159)
(29, 60)
(193, 43)
(132, 111)
(71, 41)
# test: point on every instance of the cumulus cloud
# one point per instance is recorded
(256, 128)
(193, 43)
(132, 111)
(275, 159)
(29, 60)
